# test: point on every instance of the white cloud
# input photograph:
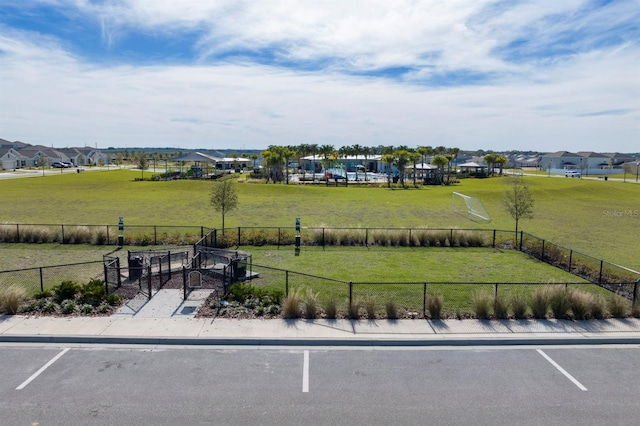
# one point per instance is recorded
(51, 96)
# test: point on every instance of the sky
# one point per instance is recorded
(204, 74)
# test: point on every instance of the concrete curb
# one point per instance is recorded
(363, 342)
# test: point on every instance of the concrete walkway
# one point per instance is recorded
(166, 303)
(186, 330)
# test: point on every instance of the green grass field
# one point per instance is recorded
(593, 216)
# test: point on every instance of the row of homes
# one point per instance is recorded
(584, 161)
(18, 155)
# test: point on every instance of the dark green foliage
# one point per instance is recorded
(43, 294)
(113, 299)
(65, 290)
(93, 292)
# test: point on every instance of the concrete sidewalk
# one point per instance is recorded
(209, 331)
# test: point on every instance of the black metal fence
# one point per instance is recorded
(46, 277)
(101, 234)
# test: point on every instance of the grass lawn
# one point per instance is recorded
(591, 216)
(408, 269)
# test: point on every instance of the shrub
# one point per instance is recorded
(481, 302)
(370, 307)
(11, 298)
(597, 307)
(618, 307)
(581, 303)
(291, 307)
(65, 290)
(501, 307)
(540, 302)
(310, 303)
(519, 305)
(434, 305)
(239, 292)
(67, 306)
(44, 294)
(112, 299)
(86, 309)
(559, 302)
(92, 292)
(392, 310)
(49, 306)
(331, 309)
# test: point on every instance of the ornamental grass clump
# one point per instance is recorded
(353, 310)
(559, 302)
(540, 302)
(391, 309)
(501, 307)
(597, 307)
(331, 309)
(581, 303)
(519, 303)
(618, 307)
(310, 303)
(481, 302)
(11, 298)
(434, 305)
(291, 306)
(370, 307)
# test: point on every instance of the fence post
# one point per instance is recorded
(17, 233)
(424, 300)
(493, 244)
(286, 283)
(62, 232)
(451, 237)
(495, 296)
(366, 237)
(239, 236)
(149, 280)
(41, 281)
(542, 253)
(108, 240)
(350, 294)
(184, 282)
(600, 277)
(322, 238)
(118, 268)
(155, 235)
(278, 236)
(202, 232)
(169, 256)
(106, 277)
(635, 292)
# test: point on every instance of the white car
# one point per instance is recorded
(572, 174)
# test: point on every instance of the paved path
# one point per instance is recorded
(186, 330)
(166, 303)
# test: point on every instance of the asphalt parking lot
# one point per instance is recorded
(91, 384)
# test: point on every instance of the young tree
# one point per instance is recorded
(224, 196)
(518, 200)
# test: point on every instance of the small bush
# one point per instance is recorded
(86, 309)
(519, 304)
(291, 307)
(370, 307)
(434, 305)
(581, 303)
(112, 299)
(481, 302)
(618, 307)
(540, 302)
(310, 303)
(65, 290)
(49, 306)
(68, 306)
(331, 309)
(392, 310)
(239, 292)
(559, 302)
(11, 298)
(501, 307)
(43, 294)
(92, 292)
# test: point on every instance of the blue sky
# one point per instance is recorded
(473, 74)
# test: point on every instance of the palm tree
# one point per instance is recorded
(490, 159)
(501, 160)
(313, 150)
(388, 159)
(402, 159)
(366, 152)
(302, 151)
(414, 157)
(440, 161)
(326, 151)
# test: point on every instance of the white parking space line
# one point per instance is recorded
(305, 372)
(44, 367)
(562, 370)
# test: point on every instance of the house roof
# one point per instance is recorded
(470, 164)
(198, 156)
(562, 154)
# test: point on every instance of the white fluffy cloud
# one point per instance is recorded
(276, 72)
